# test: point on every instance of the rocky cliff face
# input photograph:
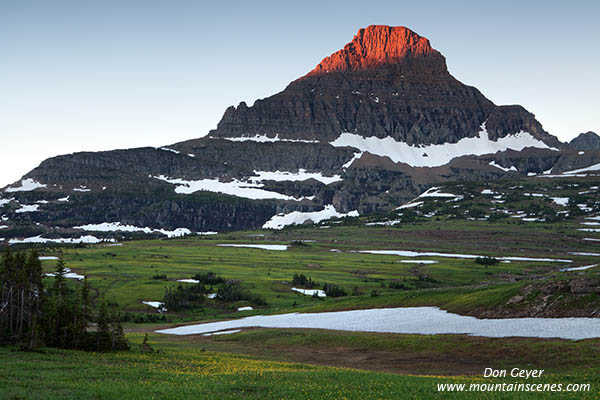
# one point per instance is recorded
(387, 82)
(586, 141)
(408, 124)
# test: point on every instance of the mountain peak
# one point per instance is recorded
(374, 46)
(586, 141)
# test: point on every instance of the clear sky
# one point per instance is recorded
(96, 75)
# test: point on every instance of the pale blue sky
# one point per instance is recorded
(97, 75)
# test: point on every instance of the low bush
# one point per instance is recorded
(334, 290)
(208, 278)
(487, 260)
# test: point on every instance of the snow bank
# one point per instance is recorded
(310, 292)
(410, 320)
(512, 168)
(297, 217)
(263, 139)
(561, 201)
(579, 268)
(229, 332)
(301, 175)
(436, 155)
(156, 304)
(435, 192)
(591, 168)
(117, 227)
(408, 253)
(26, 186)
(68, 274)
(39, 239)
(277, 247)
(410, 205)
(26, 208)
(171, 150)
(419, 261)
(249, 190)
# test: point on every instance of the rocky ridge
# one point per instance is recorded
(386, 89)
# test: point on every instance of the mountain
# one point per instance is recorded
(370, 127)
(586, 141)
(388, 82)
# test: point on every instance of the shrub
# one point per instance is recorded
(208, 278)
(333, 290)
(232, 291)
(184, 297)
(160, 277)
(398, 285)
(487, 260)
(301, 280)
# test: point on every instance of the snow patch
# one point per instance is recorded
(512, 168)
(117, 227)
(156, 304)
(237, 188)
(68, 274)
(39, 239)
(561, 201)
(297, 217)
(301, 175)
(419, 261)
(171, 150)
(228, 332)
(578, 253)
(277, 247)
(263, 139)
(26, 208)
(579, 268)
(436, 155)
(356, 157)
(310, 292)
(5, 201)
(408, 253)
(591, 168)
(410, 205)
(409, 320)
(435, 192)
(26, 186)
(247, 308)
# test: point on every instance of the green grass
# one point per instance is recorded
(251, 364)
(182, 370)
(124, 273)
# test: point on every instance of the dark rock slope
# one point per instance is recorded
(586, 141)
(388, 83)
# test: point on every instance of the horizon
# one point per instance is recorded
(106, 76)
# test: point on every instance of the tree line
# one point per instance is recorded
(59, 315)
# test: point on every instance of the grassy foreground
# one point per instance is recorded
(315, 364)
(183, 370)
